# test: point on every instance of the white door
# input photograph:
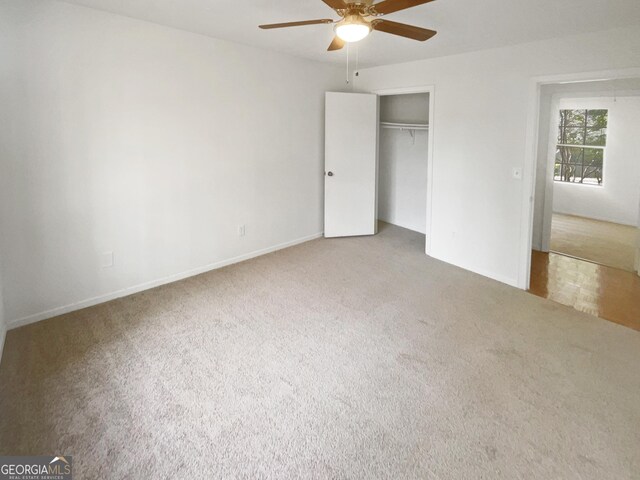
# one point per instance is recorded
(351, 158)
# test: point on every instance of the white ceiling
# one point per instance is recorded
(463, 25)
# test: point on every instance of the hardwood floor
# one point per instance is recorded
(605, 243)
(606, 292)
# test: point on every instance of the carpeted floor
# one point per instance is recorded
(605, 243)
(344, 358)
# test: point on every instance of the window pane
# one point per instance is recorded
(569, 155)
(577, 173)
(593, 157)
(596, 136)
(568, 173)
(592, 175)
(574, 118)
(564, 173)
(597, 118)
(572, 136)
(557, 171)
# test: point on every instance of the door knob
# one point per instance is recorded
(330, 174)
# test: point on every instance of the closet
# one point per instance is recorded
(403, 160)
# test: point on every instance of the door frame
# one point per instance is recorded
(431, 90)
(637, 262)
(531, 155)
(547, 201)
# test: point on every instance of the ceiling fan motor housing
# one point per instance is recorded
(358, 7)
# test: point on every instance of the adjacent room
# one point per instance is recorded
(319, 239)
(598, 222)
(587, 211)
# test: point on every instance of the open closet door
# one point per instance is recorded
(351, 156)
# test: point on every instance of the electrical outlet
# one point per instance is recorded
(242, 230)
(106, 260)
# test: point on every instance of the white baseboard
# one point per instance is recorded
(596, 217)
(54, 312)
(512, 282)
(397, 223)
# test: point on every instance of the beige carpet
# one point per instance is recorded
(605, 243)
(345, 358)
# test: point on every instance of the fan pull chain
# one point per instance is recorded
(357, 71)
(348, 64)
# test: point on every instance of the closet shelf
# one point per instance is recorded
(405, 126)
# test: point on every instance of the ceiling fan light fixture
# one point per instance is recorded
(353, 29)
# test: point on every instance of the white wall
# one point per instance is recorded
(480, 132)
(152, 143)
(402, 176)
(617, 199)
(8, 82)
(405, 108)
(3, 324)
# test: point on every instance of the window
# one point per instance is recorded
(582, 138)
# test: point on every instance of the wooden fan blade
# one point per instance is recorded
(336, 4)
(295, 24)
(337, 44)
(390, 6)
(404, 30)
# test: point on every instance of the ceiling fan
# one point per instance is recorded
(360, 17)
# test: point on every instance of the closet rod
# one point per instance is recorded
(405, 126)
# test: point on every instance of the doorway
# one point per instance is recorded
(587, 196)
(404, 160)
